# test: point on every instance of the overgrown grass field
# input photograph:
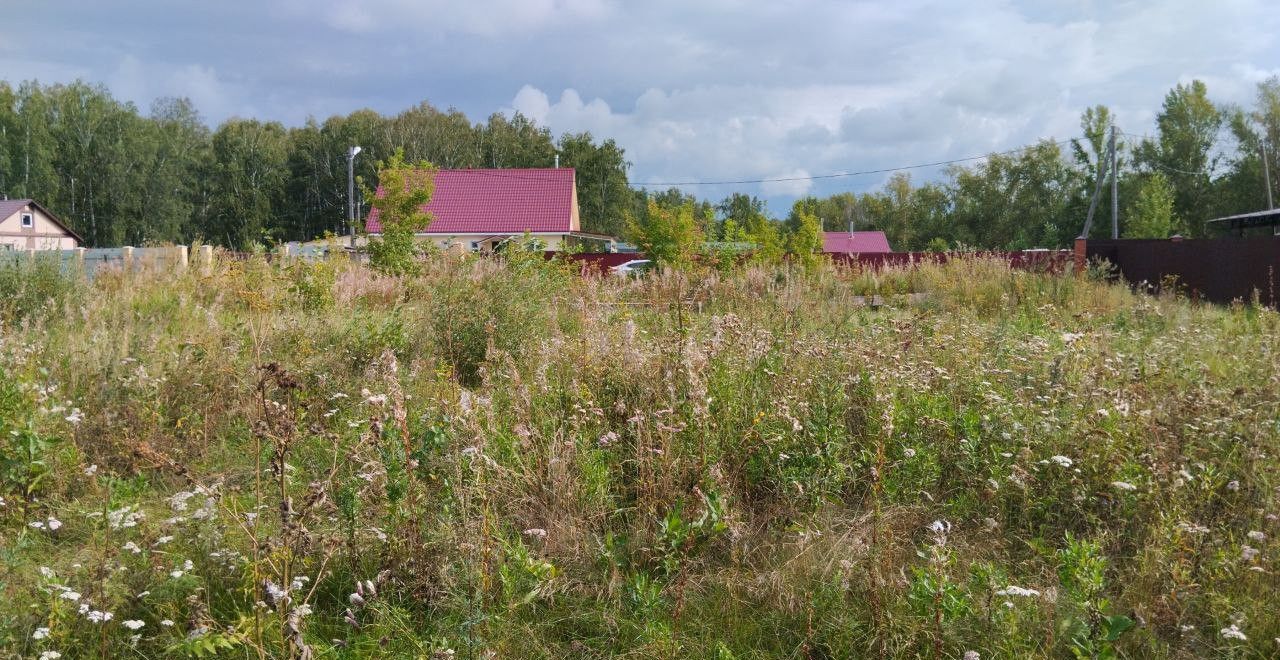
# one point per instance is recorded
(501, 459)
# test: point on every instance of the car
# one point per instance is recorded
(633, 268)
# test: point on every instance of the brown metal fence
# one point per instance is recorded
(1216, 269)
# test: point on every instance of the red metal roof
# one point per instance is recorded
(859, 241)
(509, 201)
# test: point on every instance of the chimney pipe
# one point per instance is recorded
(557, 161)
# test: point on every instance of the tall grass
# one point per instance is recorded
(501, 459)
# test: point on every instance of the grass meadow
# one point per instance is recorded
(501, 459)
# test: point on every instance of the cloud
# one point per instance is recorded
(705, 91)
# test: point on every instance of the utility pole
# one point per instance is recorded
(1266, 176)
(351, 193)
(1115, 188)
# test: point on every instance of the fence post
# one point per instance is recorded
(206, 260)
(127, 252)
(183, 256)
(80, 258)
(1080, 255)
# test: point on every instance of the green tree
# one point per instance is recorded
(248, 173)
(804, 242)
(1187, 132)
(1151, 214)
(668, 236)
(404, 189)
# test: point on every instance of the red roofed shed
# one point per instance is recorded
(479, 209)
(855, 242)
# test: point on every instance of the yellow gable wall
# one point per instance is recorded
(44, 235)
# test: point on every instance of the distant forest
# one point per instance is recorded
(122, 177)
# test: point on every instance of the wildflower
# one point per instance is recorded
(132, 547)
(1013, 590)
(36, 524)
(536, 532)
(46, 572)
(1248, 553)
(75, 416)
(91, 470)
(908, 453)
(972, 655)
(1233, 633)
(1257, 536)
(1123, 485)
(1061, 460)
(166, 623)
(98, 616)
(607, 439)
(133, 624)
(54, 524)
(178, 501)
(1233, 485)
(40, 633)
(470, 451)
(163, 540)
(356, 599)
(50, 655)
(72, 596)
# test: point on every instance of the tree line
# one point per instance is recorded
(119, 176)
(1203, 161)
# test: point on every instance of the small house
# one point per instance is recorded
(480, 210)
(855, 242)
(26, 225)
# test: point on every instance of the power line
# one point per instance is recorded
(838, 175)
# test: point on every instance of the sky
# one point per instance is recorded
(693, 90)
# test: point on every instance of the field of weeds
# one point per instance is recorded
(503, 460)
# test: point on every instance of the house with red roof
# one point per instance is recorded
(479, 210)
(26, 225)
(855, 242)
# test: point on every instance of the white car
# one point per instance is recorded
(633, 268)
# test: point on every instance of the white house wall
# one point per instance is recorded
(45, 234)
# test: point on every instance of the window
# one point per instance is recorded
(475, 246)
(27, 220)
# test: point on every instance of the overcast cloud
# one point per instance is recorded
(710, 90)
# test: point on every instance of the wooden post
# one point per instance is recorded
(127, 251)
(80, 258)
(1081, 255)
(206, 260)
(183, 256)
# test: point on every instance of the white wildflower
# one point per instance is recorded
(163, 540)
(98, 616)
(536, 532)
(132, 547)
(91, 470)
(1123, 485)
(1013, 590)
(47, 572)
(166, 623)
(908, 453)
(1248, 553)
(1257, 536)
(972, 655)
(40, 633)
(1233, 633)
(50, 655)
(72, 596)
(1061, 460)
(75, 416)
(133, 624)
(36, 524)
(178, 501)
(54, 524)
(1233, 485)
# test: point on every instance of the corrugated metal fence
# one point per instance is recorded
(1215, 269)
